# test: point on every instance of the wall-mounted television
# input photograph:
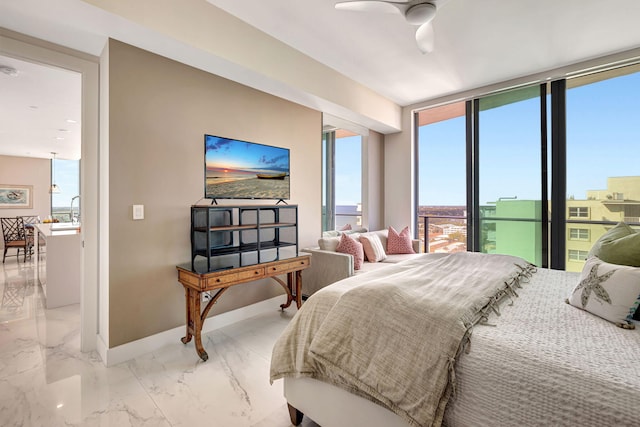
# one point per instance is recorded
(236, 169)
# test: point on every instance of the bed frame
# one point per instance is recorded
(328, 405)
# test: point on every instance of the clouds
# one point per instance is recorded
(280, 162)
(214, 143)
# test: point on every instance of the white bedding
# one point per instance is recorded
(548, 364)
(545, 363)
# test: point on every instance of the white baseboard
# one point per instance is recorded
(124, 352)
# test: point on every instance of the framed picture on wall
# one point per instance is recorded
(16, 196)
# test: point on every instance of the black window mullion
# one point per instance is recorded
(544, 218)
(469, 158)
(558, 174)
(473, 205)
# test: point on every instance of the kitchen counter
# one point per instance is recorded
(58, 256)
(58, 228)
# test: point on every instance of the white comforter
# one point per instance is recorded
(546, 363)
(394, 337)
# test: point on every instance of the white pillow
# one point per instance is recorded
(607, 290)
(373, 249)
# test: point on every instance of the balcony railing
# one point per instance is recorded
(426, 218)
(632, 221)
(348, 218)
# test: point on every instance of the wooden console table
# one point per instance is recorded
(195, 283)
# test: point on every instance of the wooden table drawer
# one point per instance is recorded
(222, 280)
(255, 273)
(288, 266)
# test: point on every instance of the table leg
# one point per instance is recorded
(299, 288)
(196, 298)
(194, 323)
(288, 287)
(189, 323)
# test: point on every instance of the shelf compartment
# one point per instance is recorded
(247, 247)
(225, 228)
(245, 227)
(237, 236)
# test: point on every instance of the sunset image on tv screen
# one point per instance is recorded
(237, 169)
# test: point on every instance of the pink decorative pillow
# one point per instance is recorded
(373, 249)
(351, 246)
(399, 243)
(346, 227)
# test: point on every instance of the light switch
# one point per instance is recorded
(138, 211)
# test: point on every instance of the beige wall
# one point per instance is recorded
(240, 50)
(159, 111)
(27, 171)
(398, 171)
(373, 182)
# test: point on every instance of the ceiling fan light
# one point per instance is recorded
(425, 38)
(420, 13)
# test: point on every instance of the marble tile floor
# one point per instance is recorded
(46, 381)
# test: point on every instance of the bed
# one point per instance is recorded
(525, 356)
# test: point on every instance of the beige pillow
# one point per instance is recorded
(607, 290)
(329, 243)
(373, 249)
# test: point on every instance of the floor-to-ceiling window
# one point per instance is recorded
(509, 172)
(442, 195)
(603, 148)
(342, 180)
(570, 143)
(348, 180)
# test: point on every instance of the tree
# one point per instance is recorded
(457, 237)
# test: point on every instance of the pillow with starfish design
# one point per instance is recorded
(607, 290)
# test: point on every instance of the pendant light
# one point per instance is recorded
(54, 187)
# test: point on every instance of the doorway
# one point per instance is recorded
(31, 51)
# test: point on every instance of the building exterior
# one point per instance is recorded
(589, 219)
(513, 227)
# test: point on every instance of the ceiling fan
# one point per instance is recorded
(415, 12)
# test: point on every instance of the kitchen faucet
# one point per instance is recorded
(77, 218)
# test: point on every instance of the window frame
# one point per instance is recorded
(577, 252)
(578, 233)
(578, 211)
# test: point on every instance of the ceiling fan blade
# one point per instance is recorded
(425, 38)
(373, 6)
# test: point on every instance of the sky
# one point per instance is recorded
(67, 177)
(223, 153)
(603, 140)
(348, 170)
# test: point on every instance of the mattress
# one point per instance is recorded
(547, 363)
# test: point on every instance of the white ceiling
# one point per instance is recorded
(478, 43)
(39, 111)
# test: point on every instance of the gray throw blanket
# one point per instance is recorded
(394, 338)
